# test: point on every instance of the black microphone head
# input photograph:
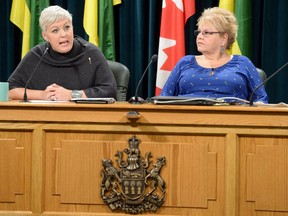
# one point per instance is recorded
(154, 58)
(136, 100)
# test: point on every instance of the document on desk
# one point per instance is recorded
(181, 100)
(185, 100)
(94, 100)
(47, 101)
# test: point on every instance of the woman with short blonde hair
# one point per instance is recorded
(215, 73)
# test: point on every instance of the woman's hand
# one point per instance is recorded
(57, 92)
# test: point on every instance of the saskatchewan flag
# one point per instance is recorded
(25, 14)
(98, 23)
(242, 10)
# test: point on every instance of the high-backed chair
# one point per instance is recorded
(122, 76)
(262, 74)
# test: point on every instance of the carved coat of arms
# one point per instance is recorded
(133, 188)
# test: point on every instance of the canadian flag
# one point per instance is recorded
(175, 13)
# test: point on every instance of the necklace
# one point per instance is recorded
(211, 72)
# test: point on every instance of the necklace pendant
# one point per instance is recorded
(211, 72)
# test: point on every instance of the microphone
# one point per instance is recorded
(135, 99)
(25, 99)
(261, 84)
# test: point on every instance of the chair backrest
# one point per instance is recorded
(122, 76)
(262, 74)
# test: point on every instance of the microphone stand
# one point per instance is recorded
(25, 98)
(135, 99)
(261, 84)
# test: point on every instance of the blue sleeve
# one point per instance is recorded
(171, 87)
(254, 80)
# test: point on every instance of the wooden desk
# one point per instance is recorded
(221, 161)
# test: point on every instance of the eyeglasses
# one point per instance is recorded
(205, 33)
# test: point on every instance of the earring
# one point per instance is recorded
(222, 51)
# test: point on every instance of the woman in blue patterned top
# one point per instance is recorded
(215, 73)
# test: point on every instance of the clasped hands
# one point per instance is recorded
(56, 92)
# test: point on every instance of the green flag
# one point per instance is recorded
(25, 15)
(244, 17)
(242, 11)
(106, 29)
(36, 6)
(98, 22)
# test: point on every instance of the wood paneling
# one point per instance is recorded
(15, 170)
(220, 161)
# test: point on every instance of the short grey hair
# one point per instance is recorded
(51, 15)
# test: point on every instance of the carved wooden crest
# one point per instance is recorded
(133, 187)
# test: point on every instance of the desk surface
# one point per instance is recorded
(221, 160)
(147, 106)
(148, 113)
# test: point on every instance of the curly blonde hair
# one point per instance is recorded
(223, 20)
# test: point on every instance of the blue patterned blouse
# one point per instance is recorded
(237, 78)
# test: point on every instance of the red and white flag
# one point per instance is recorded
(175, 13)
